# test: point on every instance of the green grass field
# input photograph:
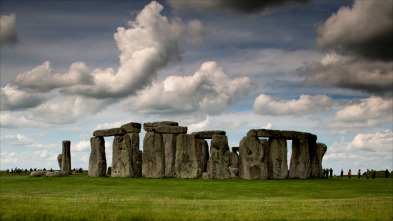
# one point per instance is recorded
(78, 197)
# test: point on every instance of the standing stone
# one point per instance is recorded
(317, 151)
(186, 165)
(234, 160)
(136, 157)
(202, 155)
(153, 158)
(253, 159)
(218, 165)
(277, 158)
(300, 159)
(59, 157)
(97, 160)
(138, 164)
(234, 172)
(170, 153)
(66, 157)
(122, 157)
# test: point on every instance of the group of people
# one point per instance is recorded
(327, 172)
(19, 170)
(367, 173)
(80, 170)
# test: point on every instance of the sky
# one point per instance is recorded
(69, 68)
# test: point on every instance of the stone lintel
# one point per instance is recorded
(150, 126)
(235, 149)
(109, 132)
(171, 130)
(285, 134)
(132, 127)
(207, 134)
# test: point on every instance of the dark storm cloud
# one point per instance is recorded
(364, 30)
(242, 7)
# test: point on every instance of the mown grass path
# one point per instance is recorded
(79, 197)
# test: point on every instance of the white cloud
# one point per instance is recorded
(208, 91)
(81, 146)
(16, 139)
(13, 99)
(8, 34)
(365, 30)
(369, 112)
(306, 104)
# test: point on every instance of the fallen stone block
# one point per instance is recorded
(38, 173)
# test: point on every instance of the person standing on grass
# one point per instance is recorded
(349, 173)
(359, 173)
(386, 173)
(342, 173)
(331, 173)
(373, 173)
(367, 174)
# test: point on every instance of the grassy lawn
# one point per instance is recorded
(79, 197)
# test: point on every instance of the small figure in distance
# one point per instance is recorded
(342, 173)
(359, 173)
(349, 173)
(386, 173)
(367, 174)
(373, 173)
(331, 173)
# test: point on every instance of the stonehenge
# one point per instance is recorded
(66, 157)
(168, 151)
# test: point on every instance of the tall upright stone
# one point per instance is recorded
(252, 159)
(186, 165)
(153, 158)
(170, 153)
(299, 167)
(59, 157)
(233, 160)
(136, 157)
(66, 157)
(122, 157)
(317, 151)
(202, 155)
(218, 165)
(277, 158)
(97, 160)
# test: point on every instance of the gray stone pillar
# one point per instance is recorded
(59, 157)
(136, 157)
(97, 160)
(252, 159)
(153, 158)
(122, 157)
(170, 153)
(66, 157)
(234, 164)
(202, 155)
(277, 158)
(300, 159)
(186, 165)
(317, 151)
(218, 165)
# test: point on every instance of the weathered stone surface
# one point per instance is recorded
(285, 134)
(277, 158)
(234, 172)
(299, 167)
(253, 159)
(132, 127)
(136, 158)
(38, 173)
(59, 157)
(66, 157)
(317, 151)
(218, 164)
(186, 165)
(202, 155)
(54, 174)
(150, 126)
(122, 157)
(153, 158)
(207, 134)
(235, 149)
(170, 153)
(171, 130)
(109, 132)
(205, 176)
(233, 160)
(97, 160)
(109, 172)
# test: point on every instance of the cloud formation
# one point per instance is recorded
(306, 104)
(242, 7)
(208, 91)
(8, 34)
(364, 30)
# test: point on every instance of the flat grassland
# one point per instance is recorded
(78, 197)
